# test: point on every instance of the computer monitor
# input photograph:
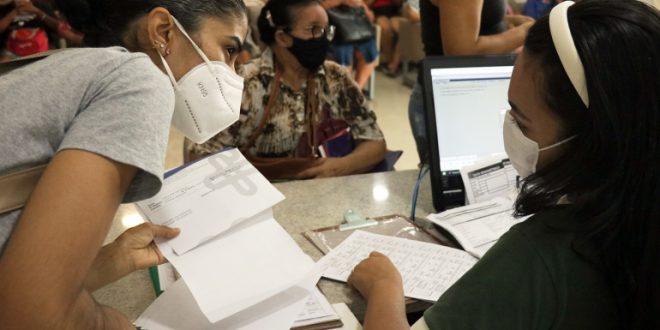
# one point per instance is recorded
(465, 100)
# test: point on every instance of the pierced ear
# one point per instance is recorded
(160, 27)
(282, 39)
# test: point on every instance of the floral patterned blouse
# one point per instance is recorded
(338, 96)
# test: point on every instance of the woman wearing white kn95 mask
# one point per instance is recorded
(584, 132)
(85, 129)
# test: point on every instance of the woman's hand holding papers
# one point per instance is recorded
(378, 280)
(134, 249)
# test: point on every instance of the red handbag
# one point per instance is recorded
(27, 41)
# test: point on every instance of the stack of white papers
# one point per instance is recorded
(479, 226)
(427, 270)
(232, 254)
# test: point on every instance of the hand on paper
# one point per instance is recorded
(373, 273)
(325, 168)
(134, 249)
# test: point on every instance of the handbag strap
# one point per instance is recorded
(310, 111)
(16, 187)
(274, 95)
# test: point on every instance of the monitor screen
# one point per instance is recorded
(470, 104)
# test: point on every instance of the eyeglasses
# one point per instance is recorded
(318, 31)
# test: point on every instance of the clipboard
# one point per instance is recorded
(327, 238)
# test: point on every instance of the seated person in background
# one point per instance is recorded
(410, 12)
(584, 133)
(362, 55)
(387, 13)
(293, 100)
(25, 26)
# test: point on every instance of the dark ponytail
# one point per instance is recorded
(107, 22)
(277, 14)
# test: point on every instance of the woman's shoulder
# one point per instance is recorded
(101, 61)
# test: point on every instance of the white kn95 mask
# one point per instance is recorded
(522, 151)
(207, 98)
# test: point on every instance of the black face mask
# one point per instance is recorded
(310, 53)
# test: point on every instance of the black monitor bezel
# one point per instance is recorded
(435, 62)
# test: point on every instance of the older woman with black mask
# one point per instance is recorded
(301, 116)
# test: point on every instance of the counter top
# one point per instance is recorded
(309, 204)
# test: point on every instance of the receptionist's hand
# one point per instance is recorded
(374, 274)
(134, 249)
(326, 168)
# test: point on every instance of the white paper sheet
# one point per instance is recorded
(209, 197)
(427, 270)
(489, 179)
(317, 309)
(176, 309)
(241, 267)
(477, 227)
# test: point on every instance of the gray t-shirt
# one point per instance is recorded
(107, 101)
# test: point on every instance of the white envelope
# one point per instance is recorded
(176, 309)
(241, 267)
(209, 197)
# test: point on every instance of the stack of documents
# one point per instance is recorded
(477, 227)
(238, 264)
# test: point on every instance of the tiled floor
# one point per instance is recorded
(391, 106)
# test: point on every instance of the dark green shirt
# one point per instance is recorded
(531, 279)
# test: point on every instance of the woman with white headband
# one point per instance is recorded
(584, 133)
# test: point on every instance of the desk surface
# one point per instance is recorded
(309, 205)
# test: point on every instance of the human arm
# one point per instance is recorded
(380, 283)
(112, 151)
(367, 154)
(134, 249)
(47, 259)
(460, 21)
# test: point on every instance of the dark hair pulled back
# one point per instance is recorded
(105, 22)
(611, 171)
(281, 16)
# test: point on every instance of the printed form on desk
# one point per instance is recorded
(477, 227)
(427, 269)
(488, 179)
(231, 253)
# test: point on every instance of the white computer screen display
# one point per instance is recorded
(470, 104)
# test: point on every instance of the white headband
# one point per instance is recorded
(561, 37)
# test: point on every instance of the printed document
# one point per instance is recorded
(489, 179)
(241, 267)
(209, 197)
(477, 227)
(427, 269)
(176, 309)
(317, 310)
